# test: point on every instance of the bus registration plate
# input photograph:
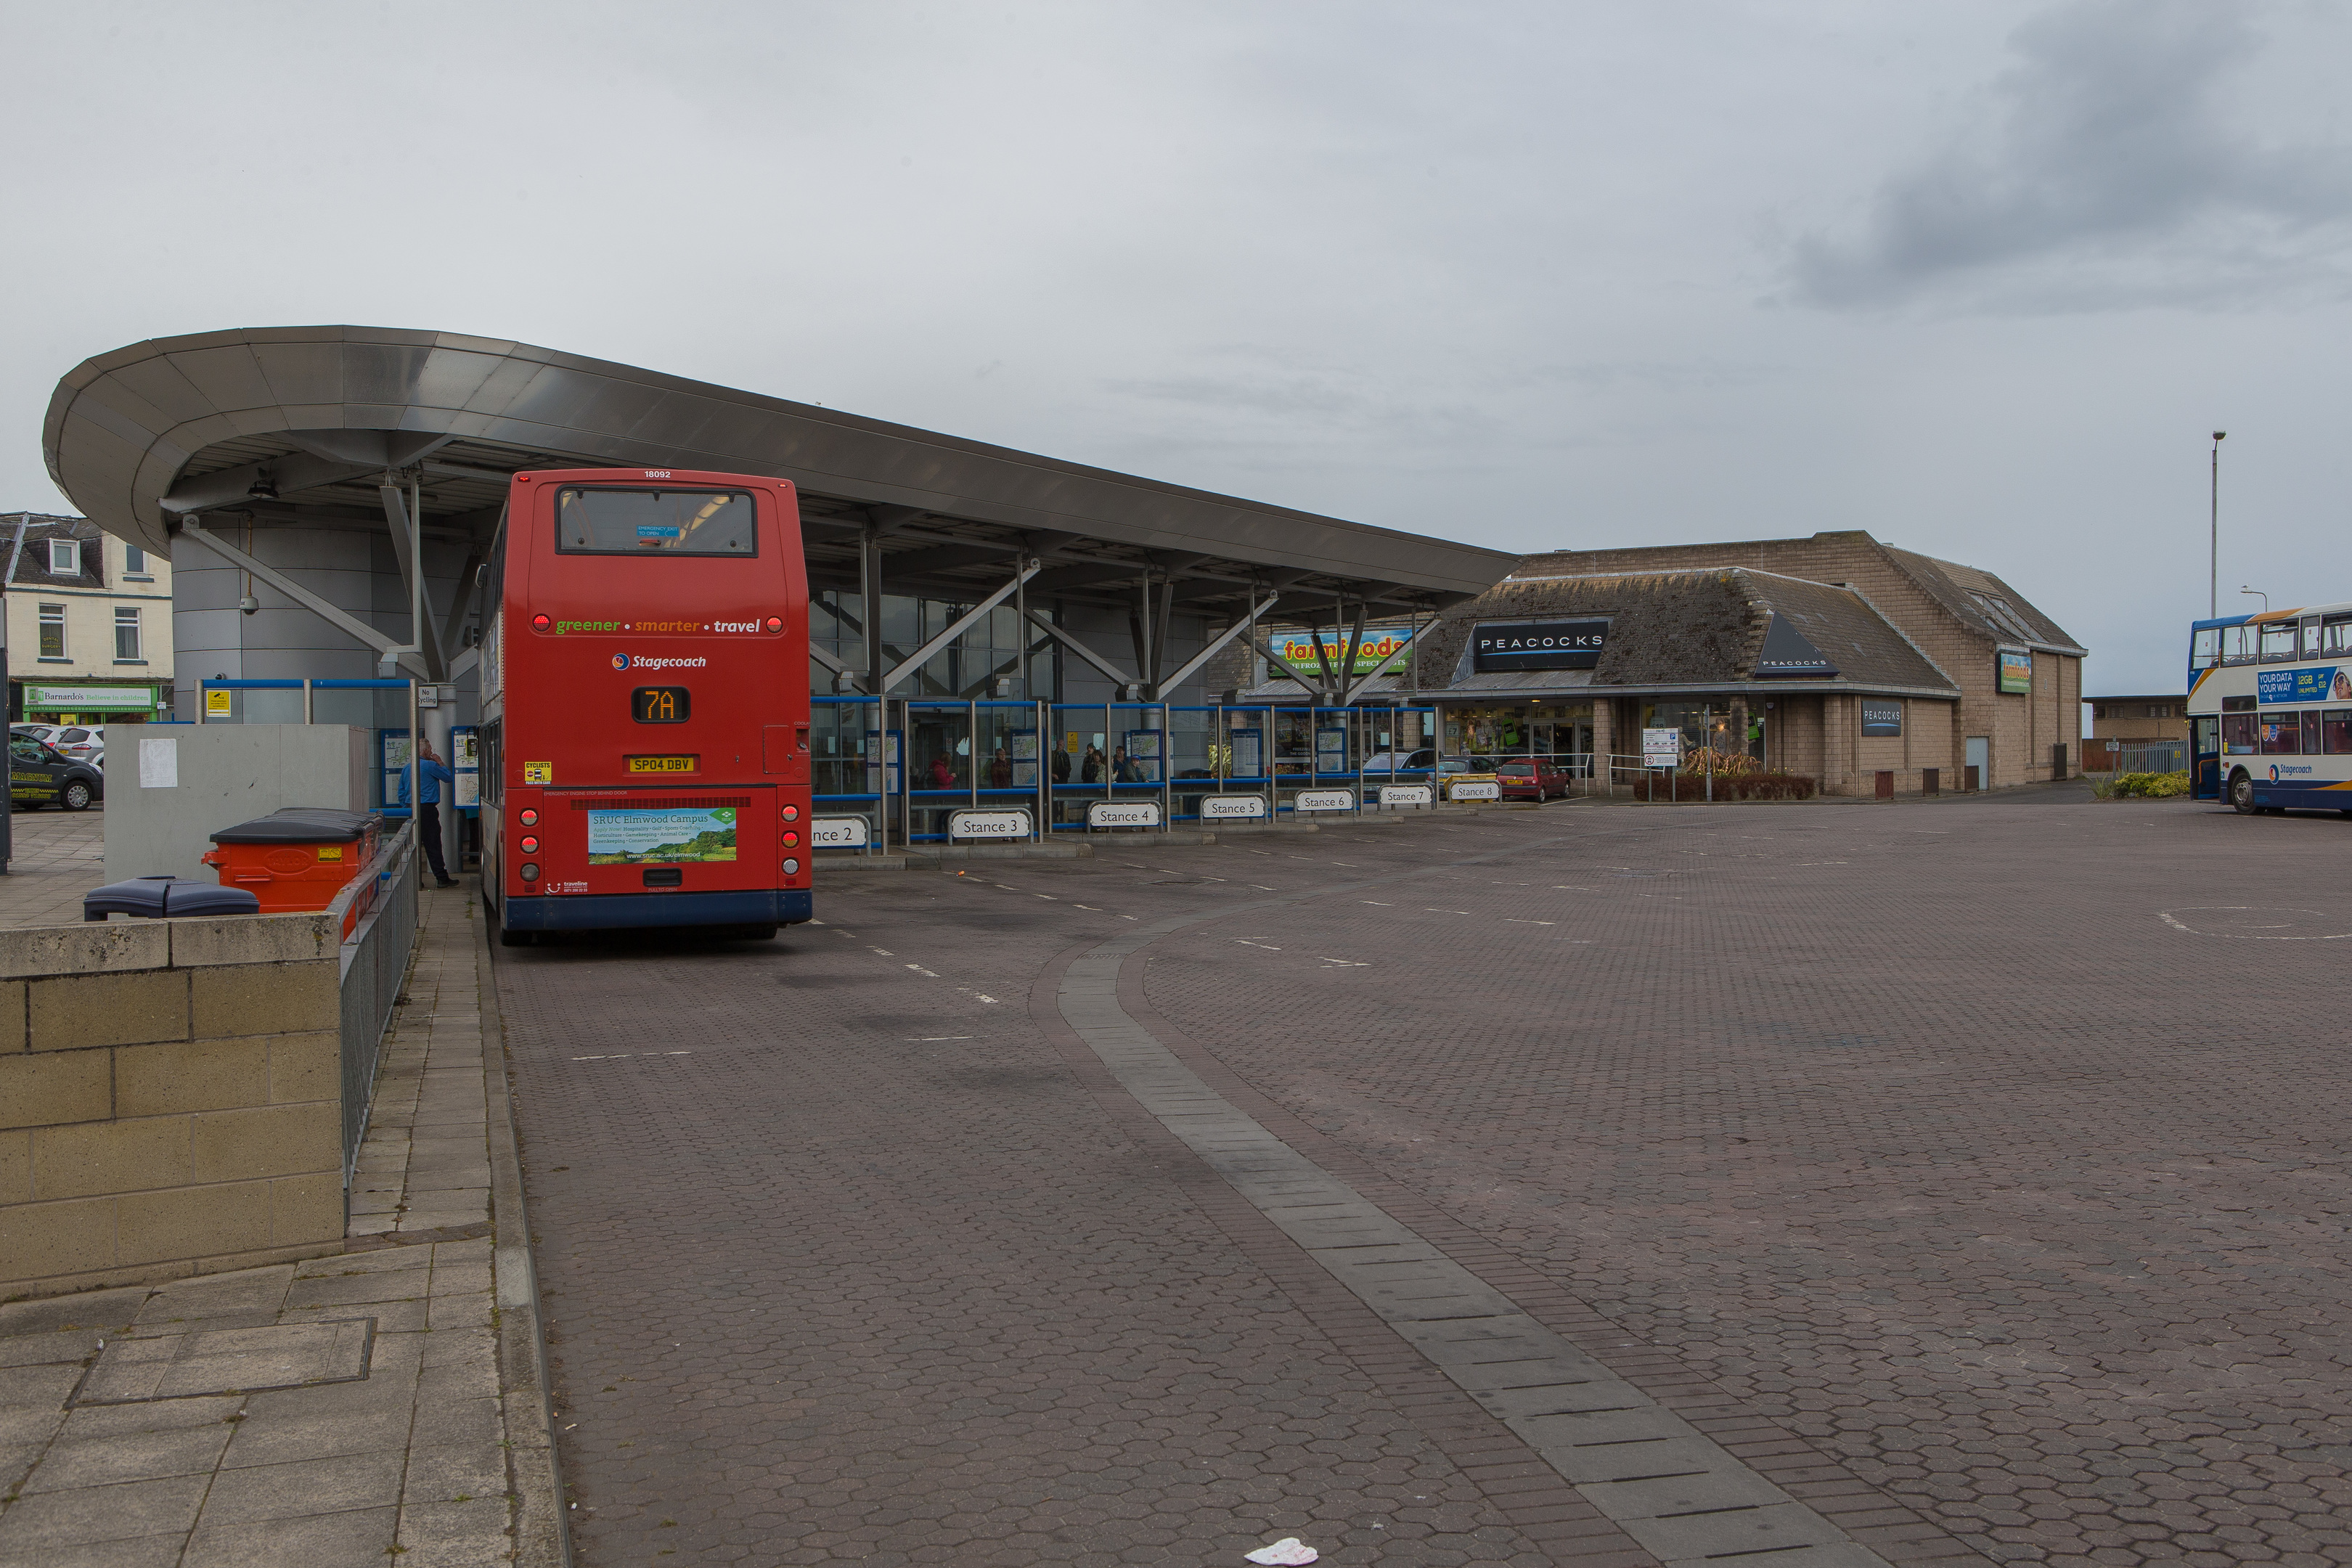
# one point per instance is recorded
(661, 764)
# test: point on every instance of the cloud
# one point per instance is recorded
(2104, 169)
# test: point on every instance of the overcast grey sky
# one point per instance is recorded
(1980, 277)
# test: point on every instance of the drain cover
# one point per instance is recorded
(228, 1361)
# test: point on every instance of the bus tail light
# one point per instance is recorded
(791, 813)
(529, 872)
(530, 818)
(530, 845)
(791, 839)
(775, 623)
(541, 622)
(791, 866)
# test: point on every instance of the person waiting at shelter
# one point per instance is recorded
(435, 773)
(1000, 769)
(1121, 769)
(1091, 769)
(942, 773)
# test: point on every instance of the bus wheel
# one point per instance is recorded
(2241, 794)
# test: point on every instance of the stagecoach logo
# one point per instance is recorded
(2288, 768)
(655, 661)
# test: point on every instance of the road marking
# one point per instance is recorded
(1350, 962)
(1430, 911)
(883, 952)
(619, 1056)
(1262, 888)
(1088, 908)
(920, 970)
(934, 1039)
(1576, 1414)
(969, 991)
(1045, 896)
(1246, 943)
(1515, 920)
(1376, 903)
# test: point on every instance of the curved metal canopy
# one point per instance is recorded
(297, 427)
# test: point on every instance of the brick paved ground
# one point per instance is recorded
(58, 857)
(1981, 1158)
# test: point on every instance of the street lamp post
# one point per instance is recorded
(2258, 594)
(2213, 594)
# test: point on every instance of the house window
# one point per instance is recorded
(2098, 709)
(53, 631)
(134, 561)
(126, 631)
(65, 557)
(2160, 709)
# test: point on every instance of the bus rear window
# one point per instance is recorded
(645, 523)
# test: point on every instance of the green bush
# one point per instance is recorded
(1654, 785)
(2146, 786)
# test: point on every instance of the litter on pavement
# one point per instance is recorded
(1288, 1552)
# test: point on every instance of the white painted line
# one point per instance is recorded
(885, 951)
(1376, 903)
(1515, 920)
(920, 970)
(1246, 943)
(932, 1039)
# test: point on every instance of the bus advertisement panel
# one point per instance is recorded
(644, 736)
(2270, 710)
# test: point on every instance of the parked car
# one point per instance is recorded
(44, 733)
(1452, 768)
(1534, 778)
(39, 774)
(82, 743)
(1401, 761)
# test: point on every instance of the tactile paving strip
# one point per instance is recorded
(1677, 1492)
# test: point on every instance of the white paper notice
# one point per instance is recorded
(158, 764)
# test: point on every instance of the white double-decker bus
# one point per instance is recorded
(2270, 710)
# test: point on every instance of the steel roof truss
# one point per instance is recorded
(916, 660)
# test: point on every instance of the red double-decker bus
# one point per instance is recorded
(645, 735)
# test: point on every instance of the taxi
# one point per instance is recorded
(39, 774)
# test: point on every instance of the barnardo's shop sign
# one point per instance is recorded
(1536, 645)
(1881, 718)
(2015, 668)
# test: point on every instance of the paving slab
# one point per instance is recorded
(334, 1411)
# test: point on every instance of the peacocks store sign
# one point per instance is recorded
(1537, 645)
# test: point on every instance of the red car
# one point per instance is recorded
(1541, 778)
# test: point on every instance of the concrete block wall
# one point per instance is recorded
(171, 1100)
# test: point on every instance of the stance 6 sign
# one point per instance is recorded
(1324, 800)
(1123, 814)
(1231, 807)
(988, 824)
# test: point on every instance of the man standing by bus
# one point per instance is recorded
(434, 771)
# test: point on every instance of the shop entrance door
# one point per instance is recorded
(1980, 755)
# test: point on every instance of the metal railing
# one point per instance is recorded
(375, 964)
(2135, 756)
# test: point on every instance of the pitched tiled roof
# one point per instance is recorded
(1683, 629)
(1982, 600)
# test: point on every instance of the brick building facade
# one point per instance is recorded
(1962, 620)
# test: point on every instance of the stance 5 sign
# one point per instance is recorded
(1232, 807)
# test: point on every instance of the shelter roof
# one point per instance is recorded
(214, 422)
